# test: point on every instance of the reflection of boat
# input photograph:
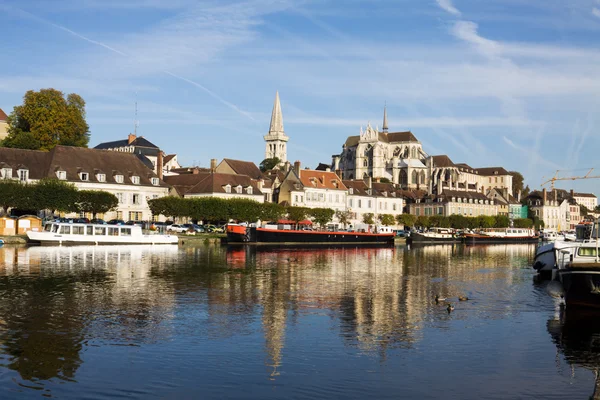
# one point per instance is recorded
(434, 235)
(1, 242)
(502, 235)
(577, 337)
(77, 234)
(277, 234)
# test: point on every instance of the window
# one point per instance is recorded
(238, 189)
(119, 178)
(227, 188)
(65, 229)
(113, 231)
(99, 230)
(78, 230)
(369, 203)
(101, 177)
(135, 216)
(337, 198)
(351, 191)
(84, 176)
(135, 199)
(296, 198)
(350, 202)
(249, 190)
(61, 175)
(394, 206)
(155, 181)
(440, 210)
(135, 179)
(119, 197)
(359, 203)
(125, 231)
(23, 175)
(89, 230)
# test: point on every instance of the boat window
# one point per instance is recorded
(47, 227)
(78, 230)
(89, 230)
(125, 231)
(587, 251)
(65, 230)
(99, 231)
(113, 231)
(55, 228)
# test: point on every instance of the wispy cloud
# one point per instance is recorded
(448, 6)
(596, 12)
(531, 154)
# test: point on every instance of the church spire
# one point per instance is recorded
(385, 123)
(276, 118)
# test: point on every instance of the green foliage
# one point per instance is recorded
(297, 214)
(501, 221)
(46, 119)
(369, 218)
(517, 182)
(269, 163)
(343, 217)
(458, 221)
(170, 206)
(385, 180)
(272, 212)
(243, 210)
(15, 194)
(386, 219)
(56, 195)
(321, 216)
(525, 193)
(422, 221)
(523, 223)
(96, 201)
(408, 220)
(482, 221)
(583, 211)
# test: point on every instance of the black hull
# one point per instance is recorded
(582, 288)
(496, 240)
(417, 238)
(267, 236)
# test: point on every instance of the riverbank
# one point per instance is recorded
(15, 239)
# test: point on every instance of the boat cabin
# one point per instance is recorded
(92, 229)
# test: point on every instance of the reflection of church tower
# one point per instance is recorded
(276, 140)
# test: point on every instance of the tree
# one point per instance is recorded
(517, 182)
(384, 180)
(501, 221)
(321, 215)
(386, 219)
(16, 194)
(343, 217)
(269, 163)
(525, 193)
(408, 220)
(368, 218)
(297, 214)
(244, 210)
(522, 223)
(458, 221)
(46, 119)
(422, 221)
(55, 195)
(272, 212)
(583, 210)
(96, 201)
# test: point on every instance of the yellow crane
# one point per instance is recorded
(555, 178)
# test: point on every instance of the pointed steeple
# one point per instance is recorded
(385, 123)
(276, 126)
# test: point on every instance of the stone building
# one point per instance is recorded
(588, 200)
(276, 139)
(557, 208)
(3, 124)
(122, 174)
(368, 197)
(451, 202)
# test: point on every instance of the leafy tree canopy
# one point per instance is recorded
(408, 220)
(46, 119)
(343, 217)
(96, 201)
(269, 163)
(386, 219)
(322, 215)
(517, 182)
(368, 218)
(56, 195)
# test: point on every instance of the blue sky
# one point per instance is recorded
(514, 83)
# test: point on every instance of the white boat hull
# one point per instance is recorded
(56, 238)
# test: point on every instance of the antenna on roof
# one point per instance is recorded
(135, 121)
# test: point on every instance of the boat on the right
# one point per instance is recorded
(501, 235)
(579, 273)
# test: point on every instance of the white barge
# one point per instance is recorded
(64, 233)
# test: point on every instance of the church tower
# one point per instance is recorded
(385, 123)
(276, 140)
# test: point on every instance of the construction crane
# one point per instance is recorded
(570, 178)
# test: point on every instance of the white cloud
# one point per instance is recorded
(448, 6)
(424, 122)
(596, 12)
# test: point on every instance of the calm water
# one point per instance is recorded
(208, 322)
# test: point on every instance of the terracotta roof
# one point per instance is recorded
(168, 158)
(3, 116)
(244, 168)
(491, 171)
(358, 186)
(184, 182)
(321, 179)
(584, 195)
(413, 194)
(442, 161)
(215, 183)
(74, 160)
(190, 170)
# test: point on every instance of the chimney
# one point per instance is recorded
(519, 196)
(297, 167)
(369, 182)
(131, 138)
(555, 197)
(544, 196)
(213, 165)
(327, 169)
(159, 165)
(572, 194)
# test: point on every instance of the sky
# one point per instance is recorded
(512, 83)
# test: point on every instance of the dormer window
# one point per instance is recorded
(249, 190)
(6, 173)
(23, 175)
(385, 194)
(135, 180)
(227, 188)
(238, 189)
(350, 191)
(119, 178)
(84, 176)
(101, 177)
(154, 181)
(62, 175)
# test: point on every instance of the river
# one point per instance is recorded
(263, 323)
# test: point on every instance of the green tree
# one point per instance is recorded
(422, 221)
(246, 210)
(369, 218)
(523, 223)
(407, 220)
(501, 221)
(458, 221)
(597, 209)
(46, 119)
(343, 217)
(485, 221)
(272, 212)
(321, 216)
(96, 201)
(55, 195)
(269, 163)
(525, 193)
(297, 214)
(386, 219)
(384, 180)
(517, 182)
(583, 210)
(14, 194)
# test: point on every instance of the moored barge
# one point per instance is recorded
(501, 235)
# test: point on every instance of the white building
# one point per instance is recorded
(368, 197)
(554, 208)
(588, 200)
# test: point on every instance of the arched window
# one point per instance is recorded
(422, 177)
(415, 178)
(366, 162)
(403, 178)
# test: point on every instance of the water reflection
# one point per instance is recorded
(59, 301)
(577, 336)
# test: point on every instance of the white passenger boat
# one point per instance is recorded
(501, 235)
(65, 233)
(434, 235)
(551, 236)
(579, 272)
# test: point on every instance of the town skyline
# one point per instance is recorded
(458, 78)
